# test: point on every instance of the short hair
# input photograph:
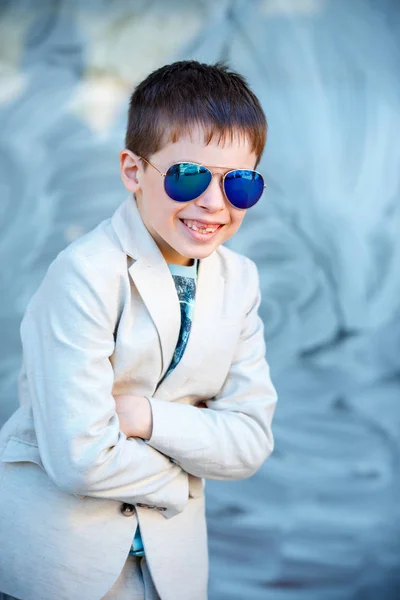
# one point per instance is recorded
(176, 97)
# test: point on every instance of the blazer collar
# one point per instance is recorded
(154, 282)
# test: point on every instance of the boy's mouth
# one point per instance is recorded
(200, 234)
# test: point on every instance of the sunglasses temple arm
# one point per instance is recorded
(151, 164)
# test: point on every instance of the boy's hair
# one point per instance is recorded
(176, 97)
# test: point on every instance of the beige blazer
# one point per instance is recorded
(105, 321)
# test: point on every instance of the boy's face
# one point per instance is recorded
(163, 216)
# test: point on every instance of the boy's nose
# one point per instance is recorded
(214, 198)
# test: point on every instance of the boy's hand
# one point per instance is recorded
(135, 416)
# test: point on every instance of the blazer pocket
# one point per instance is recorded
(19, 451)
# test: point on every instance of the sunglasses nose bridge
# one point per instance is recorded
(220, 182)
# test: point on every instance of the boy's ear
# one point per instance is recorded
(130, 165)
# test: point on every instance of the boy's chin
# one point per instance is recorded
(188, 254)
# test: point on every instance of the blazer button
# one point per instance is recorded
(127, 509)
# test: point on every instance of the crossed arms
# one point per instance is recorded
(86, 449)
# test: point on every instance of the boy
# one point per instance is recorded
(124, 414)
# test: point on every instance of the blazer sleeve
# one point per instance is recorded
(232, 437)
(67, 335)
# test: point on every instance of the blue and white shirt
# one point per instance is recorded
(185, 279)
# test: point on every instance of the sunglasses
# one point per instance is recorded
(186, 181)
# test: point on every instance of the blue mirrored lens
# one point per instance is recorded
(186, 181)
(243, 188)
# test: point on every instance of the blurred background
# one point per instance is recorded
(320, 520)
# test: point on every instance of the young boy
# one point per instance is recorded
(144, 369)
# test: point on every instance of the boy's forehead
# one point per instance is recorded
(206, 144)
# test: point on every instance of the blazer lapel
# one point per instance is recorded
(154, 282)
(206, 315)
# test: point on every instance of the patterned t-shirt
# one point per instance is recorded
(185, 279)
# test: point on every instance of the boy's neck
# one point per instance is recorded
(191, 263)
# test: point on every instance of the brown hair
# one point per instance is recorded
(176, 97)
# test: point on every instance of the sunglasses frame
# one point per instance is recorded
(212, 175)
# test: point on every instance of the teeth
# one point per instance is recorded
(201, 229)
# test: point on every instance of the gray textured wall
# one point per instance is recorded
(320, 520)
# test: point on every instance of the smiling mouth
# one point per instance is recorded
(201, 227)
(199, 235)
